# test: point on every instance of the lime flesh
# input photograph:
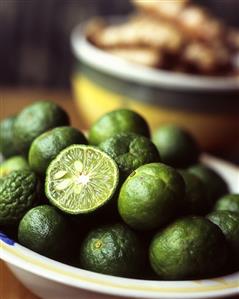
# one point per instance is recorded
(81, 179)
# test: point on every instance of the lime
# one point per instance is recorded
(112, 249)
(195, 200)
(17, 195)
(81, 179)
(117, 121)
(13, 163)
(36, 119)
(229, 224)
(189, 248)
(7, 147)
(49, 144)
(151, 196)
(229, 202)
(44, 230)
(130, 151)
(214, 184)
(177, 146)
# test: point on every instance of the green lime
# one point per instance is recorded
(195, 200)
(229, 202)
(81, 179)
(177, 146)
(17, 195)
(112, 249)
(117, 121)
(130, 151)
(12, 164)
(49, 144)
(214, 184)
(191, 247)
(7, 146)
(229, 224)
(36, 119)
(44, 229)
(151, 196)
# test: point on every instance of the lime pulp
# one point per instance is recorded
(81, 179)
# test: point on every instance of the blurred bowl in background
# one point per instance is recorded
(207, 106)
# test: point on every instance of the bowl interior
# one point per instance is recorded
(109, 63)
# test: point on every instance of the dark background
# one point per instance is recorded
(35, 35)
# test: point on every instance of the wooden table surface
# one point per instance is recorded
(11, 101)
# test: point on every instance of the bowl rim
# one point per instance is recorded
(35, 263)
(111, 64)
(27, 260)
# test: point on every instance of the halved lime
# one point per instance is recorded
(81, 179)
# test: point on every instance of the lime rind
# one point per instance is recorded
(81, 179)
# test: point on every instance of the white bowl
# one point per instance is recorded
(54, 280)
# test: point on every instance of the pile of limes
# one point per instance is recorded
(115, 202)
